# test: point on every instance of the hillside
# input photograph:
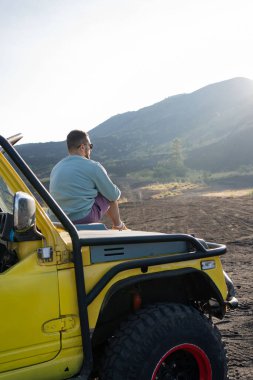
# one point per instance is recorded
(41, 157)
(214, 126)
(215, 114)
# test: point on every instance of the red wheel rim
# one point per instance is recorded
(204, 366)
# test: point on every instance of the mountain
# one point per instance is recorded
(41, 157)
(213, 124)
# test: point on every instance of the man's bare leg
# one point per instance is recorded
(113, 213)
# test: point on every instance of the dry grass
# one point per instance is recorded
(229, 193)
(164, 190)
(123, 199)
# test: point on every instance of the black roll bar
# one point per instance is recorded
(155, 238)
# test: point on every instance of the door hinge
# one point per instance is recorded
(59, 324)
(45, 254)
(63, 257)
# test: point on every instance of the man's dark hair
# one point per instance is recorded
(76, 138)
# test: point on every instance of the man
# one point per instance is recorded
(82, 186)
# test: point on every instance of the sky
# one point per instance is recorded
(72, 64)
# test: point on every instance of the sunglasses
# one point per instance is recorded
(89, 144)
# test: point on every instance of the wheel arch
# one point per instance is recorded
(182, 286)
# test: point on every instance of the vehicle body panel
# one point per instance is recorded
(29, 298)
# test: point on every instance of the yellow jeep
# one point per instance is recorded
(85, 302)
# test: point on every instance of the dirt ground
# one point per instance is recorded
(227, 219)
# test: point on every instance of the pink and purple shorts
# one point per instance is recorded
(99, 208)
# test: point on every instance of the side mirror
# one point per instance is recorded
(24, 209)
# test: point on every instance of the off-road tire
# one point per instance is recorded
(165, 341)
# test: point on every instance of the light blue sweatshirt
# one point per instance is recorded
(76, 181)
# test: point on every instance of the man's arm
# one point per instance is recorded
(105, 185)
